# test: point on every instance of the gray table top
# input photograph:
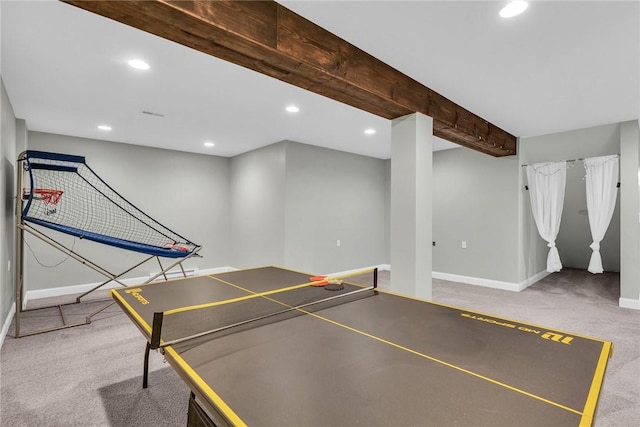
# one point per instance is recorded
(378, 359)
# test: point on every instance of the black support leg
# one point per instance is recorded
(145, 374)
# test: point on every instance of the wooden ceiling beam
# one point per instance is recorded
(267, 37)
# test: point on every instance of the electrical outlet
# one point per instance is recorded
(464, 245)
(337, 242)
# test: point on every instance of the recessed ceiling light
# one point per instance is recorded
(139, 64)
(104, 127)
(513, 8)
(370, 131)
(292, 109)
(209, 144)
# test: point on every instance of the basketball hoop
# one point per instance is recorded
(49, 197)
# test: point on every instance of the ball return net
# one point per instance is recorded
(61, 193)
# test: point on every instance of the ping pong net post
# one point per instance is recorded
(174, 326)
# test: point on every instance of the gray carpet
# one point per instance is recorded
(86, 376)
(91, 375)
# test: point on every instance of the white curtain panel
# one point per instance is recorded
(546, 191)
(602, 183)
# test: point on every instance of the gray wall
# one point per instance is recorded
(482, 200)
(574, 237)
(475, 200)
(7, 188)
(291, 202)
(332, 195)
(285, 204)
(288, 203)
(257, 202)
(188, 193)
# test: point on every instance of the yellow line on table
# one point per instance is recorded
(229, 301)
(592, 398)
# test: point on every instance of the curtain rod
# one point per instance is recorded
(572, 160)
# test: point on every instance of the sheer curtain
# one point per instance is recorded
(546, 191)
(602, 183)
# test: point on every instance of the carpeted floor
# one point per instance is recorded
(91, 375)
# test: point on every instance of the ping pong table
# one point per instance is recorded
(359, 356)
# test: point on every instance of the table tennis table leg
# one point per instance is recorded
(153, 343)
(145, 374)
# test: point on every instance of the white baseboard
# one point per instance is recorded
(7, 324)
(533, 279)
(78, 289)
(75, 289)
(207, 271)
(629, 303)
(489, 283)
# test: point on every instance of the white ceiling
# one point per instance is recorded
(559, 66)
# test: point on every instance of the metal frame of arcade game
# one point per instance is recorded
(49, 199)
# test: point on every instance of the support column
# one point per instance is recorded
(630, 214)
(411, 216)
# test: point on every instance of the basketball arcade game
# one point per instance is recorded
(61, 193)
